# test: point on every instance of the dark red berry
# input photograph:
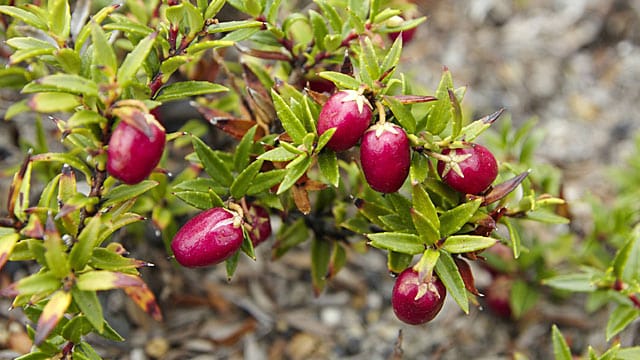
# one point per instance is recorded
(416, 302)
(348, 112)
(385, 156)
(498, 295)
(407, 35)
(209, 238)
(470, 169)
(132, 155)
(320, 85)
(260, 224)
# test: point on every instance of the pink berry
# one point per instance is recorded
(470, 169)
(260, 223)
(348, 112)
(385, 156)
(132, 155)
(209, 238)
(416, 302)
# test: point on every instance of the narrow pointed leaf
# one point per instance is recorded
(7, 244)
(242, 155)
(398, 242)
(89, 304)
(448, 272)
(213, 165)
(291, 123)
(243, 181)
(328, 163)
(106, 280)
(320, 257)
(25, 16)
(341, 80)
(295, 170)
(59, 18)
(185, 89)
(51, 315)
(134, 60)
(145, 299)
(124, 192)
(453, 220)
(620, 318)
(459, 244)
(402, 113)
(561, 350)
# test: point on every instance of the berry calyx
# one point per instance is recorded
(414, 301)
(260, 224)
(470, 169)
(385, 156)
(209, 238)
(350, 113)
(132, 155)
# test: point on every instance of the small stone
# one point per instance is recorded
(157, 347)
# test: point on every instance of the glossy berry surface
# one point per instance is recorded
(348, 112)
(132, 155)
(385, 156)
(260, 224)
(416, 302)
(470, 169)
(209, 238)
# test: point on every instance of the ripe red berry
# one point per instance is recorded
(132, 155)
(498, 295)
(348, 112)
(385, 156)
(407, 35)
(470, 169)
(260, 223)
(209, 238)
(416, 302)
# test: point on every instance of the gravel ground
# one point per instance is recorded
(573, 64)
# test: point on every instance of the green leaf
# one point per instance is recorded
(295, 170)
(398, 242)
(522, 298)
(440, 113)
(85, 118)
(51, 102)
(459, 244)
(69, 60)
(561, 350)
(213, 8)
(369, 60)
(328, 163)
(55, 254)
(59, 18)
(231, 264)
(76, 328)
(423, 204)
(279, 154)
(428, 232)
(134, 60)
(243, 181)
(264, 181)
(582, 282)
(7, 244)
(290, 236)
(197, 199)
(626, 265)
(331, 14)
(514, 236)
(318, 27)
(453, 220)
(397, 262)
(65, 83)
(42, 283)
(125, 192)
(89, 304)
(104, 58)
(341, 80)
(87, 240)
(456, 112)
(14, 77)
(213, 165)
(25, 16)
(228, 26)
(185, 89)
(631, 353)
(291, 123)
(320, 257)
(402, 113)
(620, 318)
(546, 216)
(65, 158)
(242, 154)
(392, 58)
(447, 271)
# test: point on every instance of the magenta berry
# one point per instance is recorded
(385, 156)
(498, 295)
(260, 224)
(470, 169)
(348, 112)
(209, 238)
(132, 155)
(417, 302)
